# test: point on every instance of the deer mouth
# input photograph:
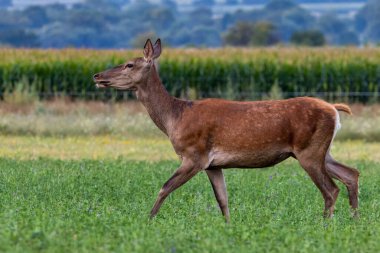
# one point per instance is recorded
(107, 84)
(102, 84)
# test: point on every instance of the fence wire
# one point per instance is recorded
(113, 95)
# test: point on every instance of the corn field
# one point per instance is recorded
(344, 73)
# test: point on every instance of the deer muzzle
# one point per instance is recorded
(101, 83)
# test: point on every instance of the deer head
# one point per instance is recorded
(130, 75)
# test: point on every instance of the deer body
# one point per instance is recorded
(214, 134)
(230, 134)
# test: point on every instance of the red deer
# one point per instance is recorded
(214, 134)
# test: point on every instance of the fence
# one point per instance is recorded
(109, 95)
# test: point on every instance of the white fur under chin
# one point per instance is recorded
(156, 65)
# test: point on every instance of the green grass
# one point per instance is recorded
(132, 148)
(82, 177)
(49, 205)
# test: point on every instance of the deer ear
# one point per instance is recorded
(148, 50)
(157, 49)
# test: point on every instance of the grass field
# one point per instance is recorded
(61, 206)
(66, 186)
(130, 120)
(75, 204)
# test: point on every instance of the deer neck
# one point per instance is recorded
(157, 101)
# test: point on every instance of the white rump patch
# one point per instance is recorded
(337, 123)
(336, 128)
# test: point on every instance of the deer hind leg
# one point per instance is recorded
(219, 186)
(185, 172)
(317, 172)
(348, 176)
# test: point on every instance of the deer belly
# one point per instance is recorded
(247, 158)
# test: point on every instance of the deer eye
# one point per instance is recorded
(129, 65)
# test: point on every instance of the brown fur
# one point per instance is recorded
(215, 134)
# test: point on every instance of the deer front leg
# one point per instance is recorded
(219, 186)
(185, 172)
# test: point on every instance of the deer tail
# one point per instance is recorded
(343, 108)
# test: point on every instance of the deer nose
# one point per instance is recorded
(96, 76)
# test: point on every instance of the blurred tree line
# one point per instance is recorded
(126, 24)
